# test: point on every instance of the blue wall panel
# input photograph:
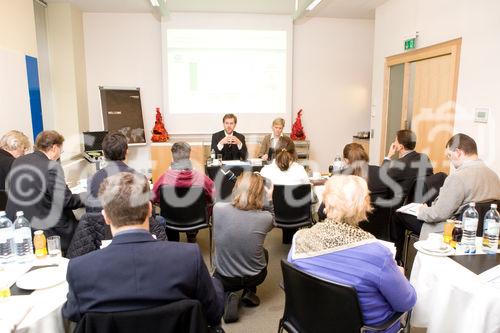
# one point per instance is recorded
(34, 92)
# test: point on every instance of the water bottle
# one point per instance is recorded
(337, 165)
(212, 154)
(7, 253)
(22, 238)
(491, 230)
(469, 221)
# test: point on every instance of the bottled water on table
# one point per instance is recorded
(490, 230)
(6, 239)
(469, 221)
(338, 165)
(22, 237)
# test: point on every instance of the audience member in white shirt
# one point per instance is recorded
(284, 170)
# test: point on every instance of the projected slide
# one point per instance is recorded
(223, 71)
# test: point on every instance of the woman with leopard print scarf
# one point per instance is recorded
(339, 251)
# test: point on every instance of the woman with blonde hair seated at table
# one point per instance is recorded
(270, 141)
(339, 251)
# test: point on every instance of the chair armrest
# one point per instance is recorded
(388, 323)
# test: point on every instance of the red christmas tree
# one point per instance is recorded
(297, 128)
(160, 134)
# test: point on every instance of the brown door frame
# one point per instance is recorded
(451, 47)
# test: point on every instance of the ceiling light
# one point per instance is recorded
(313, 5)
(154, 3)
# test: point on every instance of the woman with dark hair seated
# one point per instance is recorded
(240, 228)
(356, 159)
(338, 250)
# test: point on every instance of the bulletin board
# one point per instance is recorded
(122, 112)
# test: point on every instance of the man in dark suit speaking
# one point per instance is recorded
(229, 143)
(136, 271)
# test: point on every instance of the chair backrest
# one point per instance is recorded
(3, 199)
(481, 207)
(378, 223)
(315, 305)
(180, 316)
(426, 189)
(183, 207)
(292, 203)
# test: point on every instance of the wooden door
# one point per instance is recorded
(431, 107)
(427, 101)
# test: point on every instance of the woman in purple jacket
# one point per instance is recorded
(339, 251)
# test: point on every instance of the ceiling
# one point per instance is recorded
(361, 9)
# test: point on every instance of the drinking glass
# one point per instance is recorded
(54, 246)
(448, 230)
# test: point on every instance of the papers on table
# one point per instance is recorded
(410, 209)
(235, 163)
(81, 187)
(255, 161)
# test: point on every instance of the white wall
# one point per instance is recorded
(331, 73)
(16, 16)
(123, 50)
(67, 69)
(17, 26)
(332, 63)
(479, 79)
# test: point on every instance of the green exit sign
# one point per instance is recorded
(410, 43)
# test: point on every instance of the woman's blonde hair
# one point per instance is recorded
(347, 199)
(279, 121)
(14, 140)
(248, 193)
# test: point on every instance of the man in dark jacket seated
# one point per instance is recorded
(229, 143)
(409, 165)
(39, 189)
(136, 271)
(115, 149)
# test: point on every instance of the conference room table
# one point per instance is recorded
(33, 311)
(452, 298)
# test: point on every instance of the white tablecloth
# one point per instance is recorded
(45, 313)
(450, 298)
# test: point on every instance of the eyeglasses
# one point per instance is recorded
(449, 152)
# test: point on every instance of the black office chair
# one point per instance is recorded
(292, 208)
(3, 199)
(184, 316)
(316, 305)
(426, 189)
(185, 209)
(423, 190)
(378, 223)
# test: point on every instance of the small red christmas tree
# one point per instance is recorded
(160, 134)
(297, 128)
